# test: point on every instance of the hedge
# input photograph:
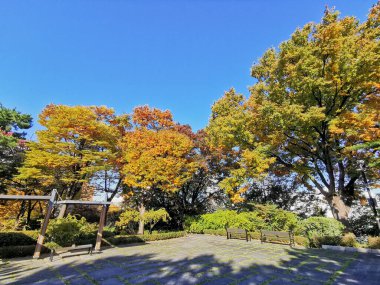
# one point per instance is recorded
(267, 217)
(27, 241)
(127, 239)
(12, 238)
(19, 251)
(256, 236)
(374, 242)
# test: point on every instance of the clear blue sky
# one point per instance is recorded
(177, 55)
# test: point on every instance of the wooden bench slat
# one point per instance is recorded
(65, 251)
(267, 235)
(238, 234)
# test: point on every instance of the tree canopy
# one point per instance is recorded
(316, 96)
(12, 142)
(76, 143)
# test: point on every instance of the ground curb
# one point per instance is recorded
(351, 249)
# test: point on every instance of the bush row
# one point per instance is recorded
(18, 238)
(299, 240)
(127, 239)
(13, 250)
(348, 240)
(19, 251)
(267, 217)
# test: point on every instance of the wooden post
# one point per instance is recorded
(101, 226)
(41, 237)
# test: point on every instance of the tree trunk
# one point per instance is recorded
(20, 215)
(339, 209)
(141, 221)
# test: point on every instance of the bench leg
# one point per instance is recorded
(51, 255)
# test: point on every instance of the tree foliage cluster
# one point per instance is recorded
(268, 217)
(315, 100)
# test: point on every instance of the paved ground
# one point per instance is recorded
(199, 259)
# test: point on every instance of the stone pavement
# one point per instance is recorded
(199, 259)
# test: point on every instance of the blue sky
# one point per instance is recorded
(177, 55)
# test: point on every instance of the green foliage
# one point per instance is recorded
(11, 142)
(150, 218)
(214, 232)
(314, 97)
(276, 219)
(67, 231)
(18, 238)
(254, 235)
(320, 227)
(19, 251)
(267, 217)
(109, 231)
(348, 239)
(318, 241)
(127, 217)
(127, 239)
(374, 242)
(302, 241)
(153, 217)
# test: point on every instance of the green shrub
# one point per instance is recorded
(117, 240)
(348, 239)
(163, 236)
(320, 227)
(301, 241)
(18, 238)
(267, 217)
(19, 251)
(255, 235)
(215, 232)
(51, 245)
(219, 220)
(69, 230)
(109, 231)
(318, 241)
(189, 221)
(374, 242)
(196, 228)
(274, 219)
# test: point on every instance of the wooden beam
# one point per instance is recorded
(100, 230)
(24, 197)
(97, 203)
(41, 237)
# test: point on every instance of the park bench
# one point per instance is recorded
(268, 236)
(68, 251)
(238, 234)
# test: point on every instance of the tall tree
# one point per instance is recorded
(155, 156)
(76, 143)
(12, 143)
(316, 96)
(200, 194)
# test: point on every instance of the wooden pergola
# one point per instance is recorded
(52, 201)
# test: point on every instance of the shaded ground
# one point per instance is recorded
(199, 259)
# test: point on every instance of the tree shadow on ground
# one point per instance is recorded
(296, 266)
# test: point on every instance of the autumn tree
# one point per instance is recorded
(76, 143)
(150, 218)
(316, 96)
(200, 194)
(155, 156)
